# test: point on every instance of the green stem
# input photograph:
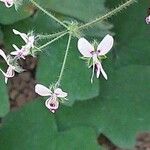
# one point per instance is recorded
(48, 36)
(49, 14)
(108, 15)
(64, 61)
(55, 39)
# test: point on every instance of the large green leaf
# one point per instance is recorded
(10, 15)
(78, 138)
(4, 100)
(121, 110)
(33, 127)
(76, 78)
(132, 34)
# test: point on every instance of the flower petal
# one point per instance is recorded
(60, 93)
(98, 69)
(9, 4)
(23, 35)
(9, 74)
(103, 72)
(14, 53)
(31, 40)
(85, 47)
(105, 45)
(52, 104)
(25, 50)
(16, 47)
(147, 19)
(4, 56)
(42, 90)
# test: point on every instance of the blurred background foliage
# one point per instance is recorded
(118, 108)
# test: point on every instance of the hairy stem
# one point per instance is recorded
(55, 39)
(48, 36)
(64, 61)
(109, 14)
(49, 14)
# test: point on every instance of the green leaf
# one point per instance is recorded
(10, 15)
(76, 78)
(40, 24)
(132, 34)
(78, 138)
(82, 11)
(120, 112)
(33, 127)
(4, 100)
(1, 35)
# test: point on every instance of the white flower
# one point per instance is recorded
(29, 40)
(88, 51)
(52, 103)
(8, 3)
(11, 69)
(147, 19)
(20, 53)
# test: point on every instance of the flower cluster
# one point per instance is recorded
(18, 54)
(93, 53)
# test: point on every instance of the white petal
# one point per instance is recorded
(9, 74)
(93, 72)
(85, 47)
(4, 56)
(6, 80)
(14, 53)
(23, 35)
(9, 4)
(60, 93)
(106, 44)
(10, 71)
(42, 90)
(25, 50)
(103, 72)
(31, 40)
(52, 104)
(15, 47)
(98, 67)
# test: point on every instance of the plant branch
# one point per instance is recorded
(109, 14)
(48, 36)
(55, 39)
(49, 14)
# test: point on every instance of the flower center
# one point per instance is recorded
(20, 54)
(52, 104)
(95, 52)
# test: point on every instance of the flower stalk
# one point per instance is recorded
(49, 36)
(50, 42)
(64, 61)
